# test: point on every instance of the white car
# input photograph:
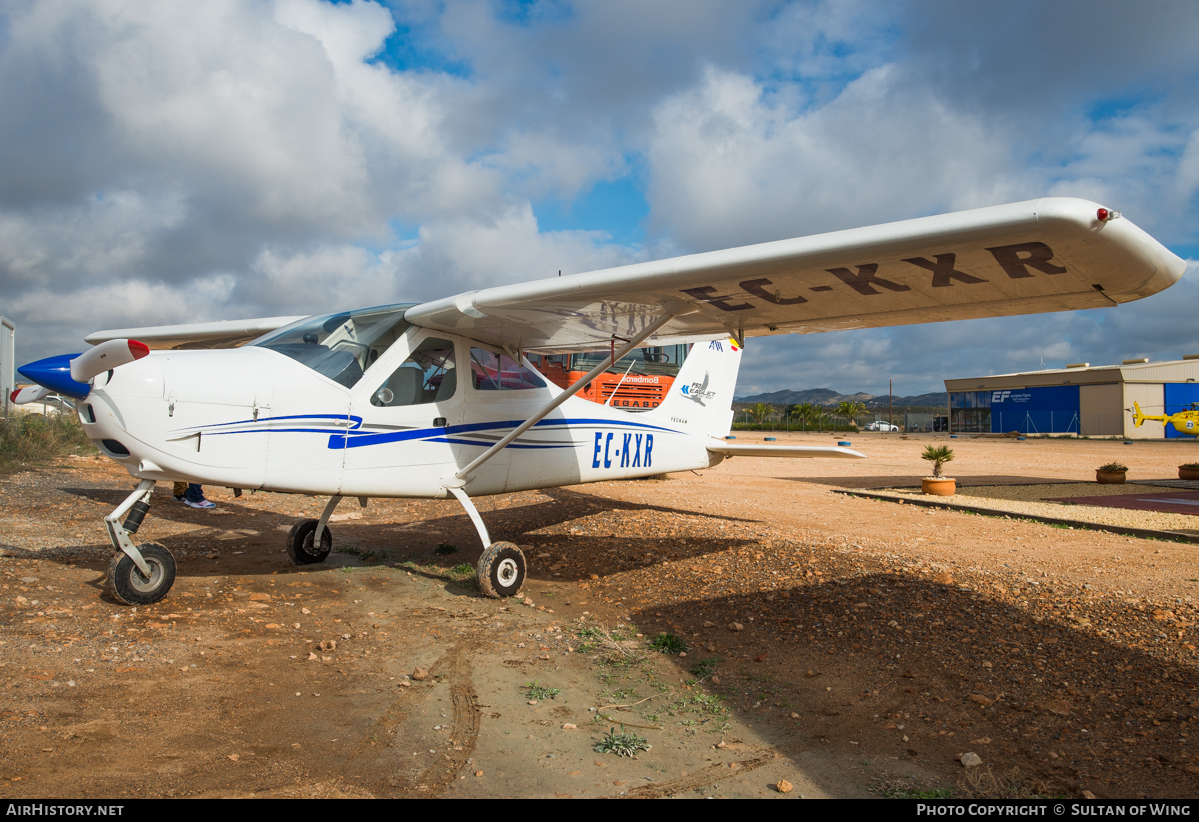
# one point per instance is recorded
(879, 425)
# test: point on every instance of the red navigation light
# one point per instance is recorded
(1103, 214)
(138, 349)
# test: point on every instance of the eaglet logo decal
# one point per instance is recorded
(697, 392)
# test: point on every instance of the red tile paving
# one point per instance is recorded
(1170, 502)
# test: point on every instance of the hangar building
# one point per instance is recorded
(1078, 399)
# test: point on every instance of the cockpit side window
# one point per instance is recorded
(427, 376)
(340, 346)
(499, 372)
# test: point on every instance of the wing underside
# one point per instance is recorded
(1054, 254)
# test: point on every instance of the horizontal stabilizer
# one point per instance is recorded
(734, 449)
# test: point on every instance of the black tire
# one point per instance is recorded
(299, 543)
(126, 583)
(501, 570)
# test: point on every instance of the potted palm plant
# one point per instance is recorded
(938, 484)
(1189, 471)
(1114, 473)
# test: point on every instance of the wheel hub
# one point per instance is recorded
(150, 583)
(507, 571)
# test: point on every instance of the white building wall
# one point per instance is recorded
(1152, 399)
(8, 332)
(1100, 413)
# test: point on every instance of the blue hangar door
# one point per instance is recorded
(1051, 409)
(1179, 396)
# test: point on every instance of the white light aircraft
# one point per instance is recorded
(438, 399)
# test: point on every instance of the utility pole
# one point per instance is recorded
(890, 401)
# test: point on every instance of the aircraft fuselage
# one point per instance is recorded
(253, 418)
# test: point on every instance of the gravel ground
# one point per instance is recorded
(859, 641)
(1034, 500)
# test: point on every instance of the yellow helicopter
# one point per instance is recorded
(1185, 422)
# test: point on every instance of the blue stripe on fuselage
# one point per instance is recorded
(363, 438)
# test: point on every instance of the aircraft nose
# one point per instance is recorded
(140, 378)
(124, 408)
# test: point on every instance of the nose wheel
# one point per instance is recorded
(128, 584)
(501, 570)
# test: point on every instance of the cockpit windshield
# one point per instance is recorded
(341, 346)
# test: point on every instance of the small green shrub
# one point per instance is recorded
(622, 744)
(1114, 466)
(668, 644)
(535, 690)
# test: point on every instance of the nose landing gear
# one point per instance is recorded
(137, 576)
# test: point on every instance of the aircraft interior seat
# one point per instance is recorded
(449, 381)
(405, 385)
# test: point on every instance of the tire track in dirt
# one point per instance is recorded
(712, 774)
(464, 728)
(385, 767)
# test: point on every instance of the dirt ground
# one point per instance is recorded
(841, 644)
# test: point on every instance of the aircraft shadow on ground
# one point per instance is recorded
(581, 555)
(1112, 714)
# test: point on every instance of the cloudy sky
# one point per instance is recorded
(177, 161)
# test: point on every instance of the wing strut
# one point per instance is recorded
(672, 309)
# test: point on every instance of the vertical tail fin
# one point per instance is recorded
(1137, 416)
(701, 398)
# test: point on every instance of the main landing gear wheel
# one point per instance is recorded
(501, 570)
(300, 544)
(126, 583)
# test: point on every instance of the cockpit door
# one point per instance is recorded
(410, 403)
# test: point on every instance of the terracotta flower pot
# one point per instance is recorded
(1188, 473)
(1111, 477)
(938, 487)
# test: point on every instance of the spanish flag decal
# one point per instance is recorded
(733, 344)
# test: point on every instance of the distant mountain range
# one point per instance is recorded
(828, 397)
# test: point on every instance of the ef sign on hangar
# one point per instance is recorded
(1089, 401)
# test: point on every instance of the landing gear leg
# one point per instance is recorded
(501, 569)
(137, 576)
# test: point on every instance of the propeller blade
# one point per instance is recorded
(106, 356)
(30, 393)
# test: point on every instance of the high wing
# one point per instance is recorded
(224, 334)
(1039, 256)
(1052, 254)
